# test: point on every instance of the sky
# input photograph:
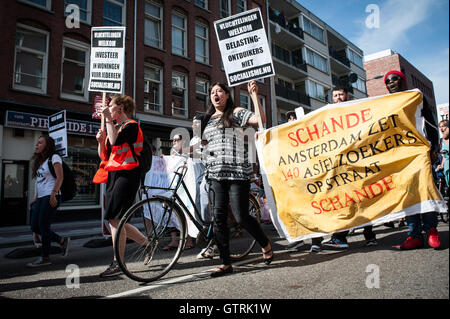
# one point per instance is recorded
(416, 29)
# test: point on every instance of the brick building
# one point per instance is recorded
(172, 58)
(378, 64)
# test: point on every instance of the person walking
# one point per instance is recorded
(48, 198)
(395, 82)
(339, 239)
(228, 172)
(114, 147)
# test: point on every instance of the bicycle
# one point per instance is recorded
(149, 262)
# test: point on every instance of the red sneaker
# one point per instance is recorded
(433, 238)
(411, 243)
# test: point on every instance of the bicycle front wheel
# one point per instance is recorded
(162, 223)
(241, 242)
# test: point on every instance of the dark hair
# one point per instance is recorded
(198, 117)
(340, 88)
(227, 116)
(39, 158)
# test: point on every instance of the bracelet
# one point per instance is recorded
(109, 122)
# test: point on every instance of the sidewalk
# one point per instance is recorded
(22, 236)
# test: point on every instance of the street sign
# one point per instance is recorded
(244, 47)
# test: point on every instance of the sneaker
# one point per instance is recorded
(315, 249)
(371, 242)
(433, 238)
(112, 270)
(411, 243)
(335, 243)
(65, 246)
(295, 245)
(41, 261)
(210, 252)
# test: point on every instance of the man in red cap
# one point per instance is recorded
(396, 82)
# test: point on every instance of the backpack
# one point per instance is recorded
(144, 158)
(69, 187)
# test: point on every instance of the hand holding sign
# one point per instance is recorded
(252, 88)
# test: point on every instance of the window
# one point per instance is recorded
(46, 4)
(225, 8)
(316, 90)
(84, 7)
(153, 24)
(179, 34)
(312, 29)
(241, 6)
(245, 100)
(355, 58)
(179, 94)
(201, 91)
(75, 57)
(153, 89)
(316, 60)
(201, 43)
(31, 59)
(113, 12)
(202, 4)
(360, 85)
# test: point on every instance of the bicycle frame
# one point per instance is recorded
(175, 199)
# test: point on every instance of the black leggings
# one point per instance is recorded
(236, 193)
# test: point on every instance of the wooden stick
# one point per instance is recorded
(102, 126)
(258, 114)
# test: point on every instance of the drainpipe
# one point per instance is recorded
(273, 100)
(134, 50)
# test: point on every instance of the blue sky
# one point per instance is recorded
(418, 30)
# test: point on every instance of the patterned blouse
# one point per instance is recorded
(226, 152)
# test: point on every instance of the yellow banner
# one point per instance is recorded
(347, 165)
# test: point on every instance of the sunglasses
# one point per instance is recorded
(175, 140)
(392, 79)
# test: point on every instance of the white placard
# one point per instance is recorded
(107, 66)
(244, 47)
(57, 129)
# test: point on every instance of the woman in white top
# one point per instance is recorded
(47, 198)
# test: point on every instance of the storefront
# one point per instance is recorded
(18, 136)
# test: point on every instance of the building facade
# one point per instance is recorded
(172, 58)
(310, 58)
(378, 64)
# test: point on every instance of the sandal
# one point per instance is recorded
(267, 261)
(219, 272)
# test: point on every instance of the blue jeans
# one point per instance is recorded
(421, 222)
(41, 218)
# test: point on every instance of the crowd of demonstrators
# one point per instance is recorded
(48, 198)
(114, 146)
(230, 177)
(226, 180)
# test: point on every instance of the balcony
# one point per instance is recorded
(285, 24)
(292, 95)
(339, 56)
(291, 65)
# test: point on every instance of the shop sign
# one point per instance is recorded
(40, 123)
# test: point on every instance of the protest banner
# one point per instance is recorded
(57, 129)
(348, 165)
(245, 50)
(161, 175)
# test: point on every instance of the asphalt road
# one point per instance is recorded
(380, 272)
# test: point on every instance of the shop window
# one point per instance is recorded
(83, 160)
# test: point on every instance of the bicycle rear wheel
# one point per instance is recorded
(149, 262)
(241, 242)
